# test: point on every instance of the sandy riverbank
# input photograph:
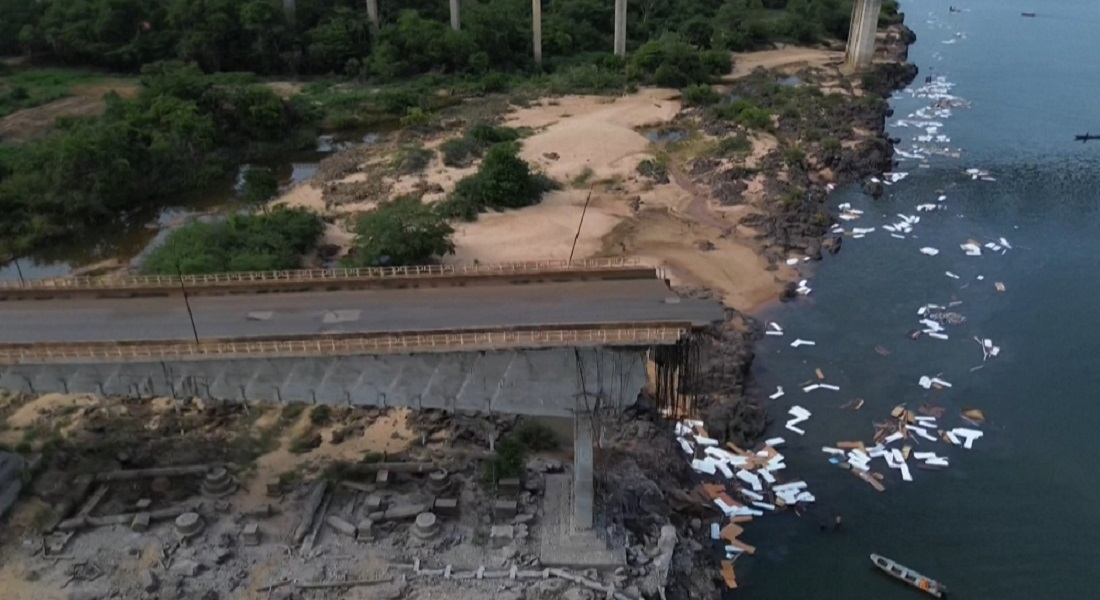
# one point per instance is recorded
(593, 145)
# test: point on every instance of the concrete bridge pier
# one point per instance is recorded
(536, 29)
(290, 11)
(620, 27)
(861, 36)
(583, 490)
(455, 9)
(372, 15)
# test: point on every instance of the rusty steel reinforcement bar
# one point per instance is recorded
(641, 335)
(312, 278)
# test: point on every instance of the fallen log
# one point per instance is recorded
(129, 474)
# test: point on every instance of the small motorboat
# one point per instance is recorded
(1086, 137)
(910, 576)
(1023, 14)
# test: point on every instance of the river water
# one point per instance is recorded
(1015, 517)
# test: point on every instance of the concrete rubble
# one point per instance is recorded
(193, 533)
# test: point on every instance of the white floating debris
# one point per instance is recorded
(764, 505)
(937, 335)
(773, 332)
(774, 326)
(927, 207)
(751, 479)
(686, 445)
(969, 435)
(775, 442)
(905, 476)
(862, 230)
(971, 249)
(801, 342)
(705, 465)
(941, 198)
(929, 251)
(705, 441)
(897, 235)
(778, 393)
(826, 386)
(1005, 243)
(792, 261)
(951, 275)
(811, 387)
(831, 450)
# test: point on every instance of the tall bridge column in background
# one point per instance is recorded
(583, 487)
(861, 36)
(620, 27)
(455, 17)
(372, 15)
(290, 11)
(536, 29)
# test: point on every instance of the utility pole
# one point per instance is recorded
(620, 27)
(187, 302)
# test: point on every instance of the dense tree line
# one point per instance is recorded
(334, 36)
(183, 129)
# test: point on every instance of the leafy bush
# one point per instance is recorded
(536, 436)
(259, 185)
(504, 181)
(734, 144)
(261, 242)
(412, 159)
(744, 113)
(699, 95)
(794, 156)
(670, 61)
(463, 151)
(403, 231)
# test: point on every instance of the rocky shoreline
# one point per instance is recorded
(790, 225)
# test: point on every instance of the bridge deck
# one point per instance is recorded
(554, 305)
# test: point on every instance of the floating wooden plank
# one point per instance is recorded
(820, 375)
(743, 546)
(731, 531)
(728, 575)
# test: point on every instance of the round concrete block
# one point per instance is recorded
(188, 525)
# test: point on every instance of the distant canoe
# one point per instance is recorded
(909, 576)
(1027, 14)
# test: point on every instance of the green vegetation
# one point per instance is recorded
(333, 36)
(502, 182)
(699, 95)
(744, 113)
(321, 415)
(463, 151)
(261, 242)
(259, 185)
(734, 144)
(512, 451)
(202, 109)
(27, 89)
(403, 231)
(412, 159)
(794, 157)
(182, 130)
(581, 180)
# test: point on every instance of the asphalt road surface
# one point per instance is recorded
(371, 311)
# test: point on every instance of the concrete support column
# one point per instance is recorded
(455, 14)
(372, 15)
(861, 37)
(290, 11)
(620, 27)
(583, 487)
(536, 29)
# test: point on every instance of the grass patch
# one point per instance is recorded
(734, 144)
(412, 159)
(28, 89)
(582, 178)
(321, 415)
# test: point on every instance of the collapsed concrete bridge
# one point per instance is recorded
(539, 339)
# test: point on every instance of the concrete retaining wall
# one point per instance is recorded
(529, 382)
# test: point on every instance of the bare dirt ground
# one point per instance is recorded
(86, 101)
(786, 59)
